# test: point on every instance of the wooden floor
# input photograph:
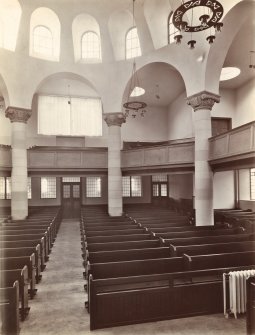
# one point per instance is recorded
(58, 308)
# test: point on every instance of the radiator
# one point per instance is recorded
(234, 291)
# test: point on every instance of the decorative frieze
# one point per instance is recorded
(114, 119)
(203, 100)
(16, 114)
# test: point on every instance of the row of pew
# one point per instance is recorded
(25, 247)
(154, 264)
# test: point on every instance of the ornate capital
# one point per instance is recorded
(114, 119)
(203, 100)
(16, 114)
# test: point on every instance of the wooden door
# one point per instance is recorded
(71, 200)
(160, 193)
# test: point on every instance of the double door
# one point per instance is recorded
(71, 200)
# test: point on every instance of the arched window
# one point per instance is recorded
(42, 41)
(133, 48)
(170, 29)
(90, 46)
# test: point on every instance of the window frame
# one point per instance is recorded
(52, 40)
(99, 44)
(130, 187)
(128, 31)
(93, 196)
(41, 187)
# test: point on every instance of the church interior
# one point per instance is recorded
(127, 167)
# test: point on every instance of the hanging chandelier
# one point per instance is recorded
(134, 106)
(213, 12)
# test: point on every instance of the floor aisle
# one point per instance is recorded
(58, 308)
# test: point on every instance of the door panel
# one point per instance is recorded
(71, 201)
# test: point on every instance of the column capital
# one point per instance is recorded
(203, 100)
(16, 114)
(114, 119)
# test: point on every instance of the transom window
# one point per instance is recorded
(42, 41)
(252, 179)
(133, 48)
(71, 179)
(90, 46)
(132, 186)
(48, 188)
(170, 29)
(93, 187)
(159, 177)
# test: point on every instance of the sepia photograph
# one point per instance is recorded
(127, 167)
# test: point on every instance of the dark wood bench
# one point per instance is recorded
(13, 263)
(25, 251)
(43, 232)
(130, 300)
(9, 307)
(8, 277)
(104, 227)
(37, 244)
(114, 232)
(217, 248)
(209, 239)
(124, 245)
(118, 238)
(200, 232)
(28, 237)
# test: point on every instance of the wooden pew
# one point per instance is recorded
(104, 227)
(182, 229)
(8, 277)
(130, 300)
(118, 238)
(9, 307)
(200, 232)
(124, 245)
(212, 261)
(13, 263)
(217, 248)
(114, 232)
(124, 255)
(21, 231)
(25, 251)
(37, 244)
(209, 239)
(28, 237)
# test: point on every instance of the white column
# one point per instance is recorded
(19, 201)
(202, 104)
(115, 203)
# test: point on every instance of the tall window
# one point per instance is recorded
(90, 46)
(42, 41)
(48, 188)
(132, 186)
(6, 189)
(252, 178)
(133, 48)
(170, 29)
(93, 187)
(69, 116)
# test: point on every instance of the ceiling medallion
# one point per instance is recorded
(208, 20)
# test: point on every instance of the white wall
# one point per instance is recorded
(245, 97)
(151, 127)
(180, 124)
(227, 105)
(223, 190)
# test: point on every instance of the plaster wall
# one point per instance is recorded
(36, 194)
(245, 97)
(223, 190)
(180, 186)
